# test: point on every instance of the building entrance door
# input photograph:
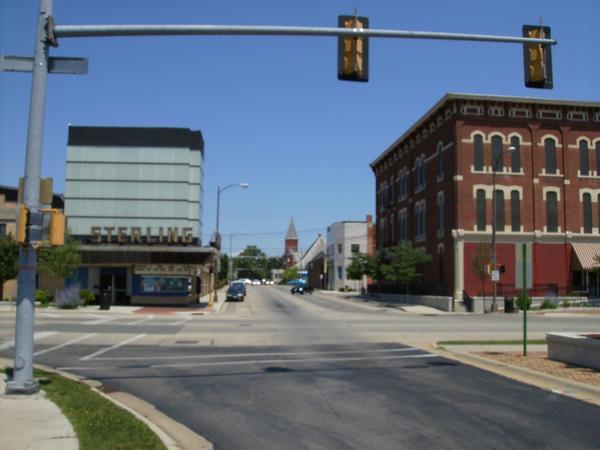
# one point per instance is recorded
(115, 282)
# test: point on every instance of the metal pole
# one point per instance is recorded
(230, 261)
(525, 299)
(218, 206)
(22, 381)
(70, 31)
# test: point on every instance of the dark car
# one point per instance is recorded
(301, 289)
(236, 291)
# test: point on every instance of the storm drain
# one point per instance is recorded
(186, 342)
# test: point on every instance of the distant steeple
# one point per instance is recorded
(291, 233)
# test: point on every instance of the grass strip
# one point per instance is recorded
(497, 342)
(98, 423)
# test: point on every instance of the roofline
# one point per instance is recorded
(497, 98)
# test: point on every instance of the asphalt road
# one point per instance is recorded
(293, 372)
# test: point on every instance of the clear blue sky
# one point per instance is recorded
(271, 109)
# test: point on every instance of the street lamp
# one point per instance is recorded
(219, 190)
(510, 149)
(230, 262)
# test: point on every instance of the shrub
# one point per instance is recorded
(521, 301)
(547, 304)
(68, 298)
(566, 304)
(87, 296)
(42, 297)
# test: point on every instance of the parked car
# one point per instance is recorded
(236, 291)
(301, 289)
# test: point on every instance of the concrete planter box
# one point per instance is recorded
(575, 348)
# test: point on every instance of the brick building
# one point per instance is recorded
(434, 188)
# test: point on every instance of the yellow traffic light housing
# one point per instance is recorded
(55, 234)
(353, 52)
(22, 225)
(537, 58)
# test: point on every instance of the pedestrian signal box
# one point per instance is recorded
(353, 52)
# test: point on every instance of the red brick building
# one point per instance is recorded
(435, 183)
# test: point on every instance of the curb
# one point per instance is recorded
(542, 380)
(162, 425)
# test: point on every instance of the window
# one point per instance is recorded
(598, 158)
(587, 213)
(340, 248)
(584, 160)
(340, 272)
(478, 152)
(423, 172)
(154, 284)
(403, 226)
(420, 221)
(497, 163)
(2, 230)
(515, 156)
(550, 155)
(440, 159)
(481, 213)
(393, 228)
(499, 198)
(551, 212)
(355, 248)
(440, 230)
(515, 211)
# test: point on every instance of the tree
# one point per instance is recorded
(252, 262)
(224, 263)
(9, 254)
(360, 265)
(290, 274)
(403, 262)
(61, 261)
(481, 258)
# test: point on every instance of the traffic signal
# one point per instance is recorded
(537, 58)
(353, 52)
(22, 225)
(53, 228)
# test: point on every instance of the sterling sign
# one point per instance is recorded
(135, 235)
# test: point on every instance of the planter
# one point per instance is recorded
(582, 349)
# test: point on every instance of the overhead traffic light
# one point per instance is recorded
(537, 58)
(353, 52)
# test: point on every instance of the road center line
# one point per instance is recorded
(104, 350)
(241, 355)
(72, 341)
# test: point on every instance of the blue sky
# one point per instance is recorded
(271, 109)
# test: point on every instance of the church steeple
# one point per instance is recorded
(291, 245)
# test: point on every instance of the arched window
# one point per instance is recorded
(440, 230)
(584, 159)
(552, 212)
(481, 213)
(478, 152)
(550, 155)
(499, 212)
(587, 213)
(497, 163)
(598, 158)
(515, 156)
(440, 158)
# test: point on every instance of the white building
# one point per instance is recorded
(343, 240)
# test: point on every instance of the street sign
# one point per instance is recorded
(56, 64)
(495, 275)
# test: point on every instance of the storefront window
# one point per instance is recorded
(154, 284)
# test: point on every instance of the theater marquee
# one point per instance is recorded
(136, 235)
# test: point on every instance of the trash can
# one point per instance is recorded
(105, 300)
(509, 305)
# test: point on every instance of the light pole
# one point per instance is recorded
(510, 149)
(230, 262)
(217, 235)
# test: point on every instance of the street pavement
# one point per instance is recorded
(317, 372)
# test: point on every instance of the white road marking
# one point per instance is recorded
(72, 341)
(135, 322)
(36, 336)
(98, 321)
(54, 316)
(180, 321)
(260, 361)
(107, 349)
(241, 355)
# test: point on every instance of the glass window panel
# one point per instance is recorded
(497, 163)
(550, 155)
(587, 213)
(499, 210)
(478, 152)
(515, 156)
(552, 212)
(481, 213)
(515, 211)
(584, 162)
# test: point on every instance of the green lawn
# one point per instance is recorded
(498, 342)
(99, 423)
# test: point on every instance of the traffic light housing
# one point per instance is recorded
(353, 52)
(22, 225)
(53, 229)
(537, 58)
